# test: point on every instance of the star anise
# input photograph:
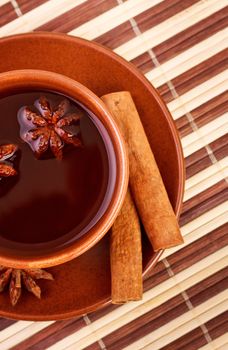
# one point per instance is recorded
(46, 127)
(7, 152)
(15, 277)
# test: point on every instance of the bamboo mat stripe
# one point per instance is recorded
(189, 58)
(181, 47)
(219, 343)
(24, 6)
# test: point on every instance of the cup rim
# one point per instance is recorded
(34, 79)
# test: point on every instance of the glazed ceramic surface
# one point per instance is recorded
(83, 285)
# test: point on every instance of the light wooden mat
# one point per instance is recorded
(181, 47)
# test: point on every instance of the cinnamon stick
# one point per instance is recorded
(126, 255)
(146, 183)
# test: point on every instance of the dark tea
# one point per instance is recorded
(53, 201)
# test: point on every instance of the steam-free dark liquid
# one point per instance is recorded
(53, 201)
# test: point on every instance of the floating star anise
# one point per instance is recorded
(15, 277)
(45, 128)
(7, 152)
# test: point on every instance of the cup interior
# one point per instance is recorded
(57, 209)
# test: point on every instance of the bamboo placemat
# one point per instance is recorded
(181, 47)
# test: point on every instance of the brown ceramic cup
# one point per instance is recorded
(44, 256)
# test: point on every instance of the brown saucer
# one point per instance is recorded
(83, 285)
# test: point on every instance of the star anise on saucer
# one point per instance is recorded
(7, 153)
(48, 127)
(15, 278)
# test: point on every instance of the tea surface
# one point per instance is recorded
(50, 198)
